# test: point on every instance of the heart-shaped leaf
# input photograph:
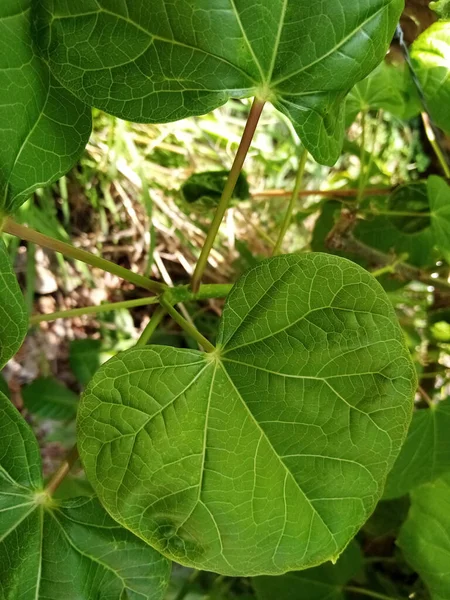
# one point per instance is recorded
(268, 454)
(425, 454)
(425, 536)
(70, 549)
(50, 399)
(161, 61)
(43, 127)
(13, 312)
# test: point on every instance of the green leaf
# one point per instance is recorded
(425, 536)
(442, 7)
(426, 452)
(207, 187)
(161, 61)
(268, 454)
(85, 357)
(439, 197)
(4, 387)
(430, 56)
(72, 549)
(326, 581)
(13, 312)
(44, 128)
(48, 398)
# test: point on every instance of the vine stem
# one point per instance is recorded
(30, 235)
(188, 327)
(362, 175)
(290, 209)
(244, 146)
(62, 472)
(434, 144)
(150, 329)
(369, 593)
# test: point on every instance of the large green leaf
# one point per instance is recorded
(72, 549)
(43, 127)
(161, 61)
(425, 536)
(430, 55)
(13, 312)
(425, 454)
(268, 454)
(48, 398)
(327, 581)
(439, 198)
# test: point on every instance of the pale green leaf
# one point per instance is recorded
(439, 197)
(327, 581)
(430, 55)
(425, 536)
(51, 550)
(442, 7)
(43, 127)
(48, 398)
(13, 312)
(270, 453)
(161, 61)
(426, 452)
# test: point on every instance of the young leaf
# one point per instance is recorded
(425, 454)
(442, 7)
(268, 454)
(430, 55)
(439, 197)
(44, 128)
(161, 61)
(48, 398)
(207, 187)
(71, 549)
(326, 581)
(13, 312)
(425, 536)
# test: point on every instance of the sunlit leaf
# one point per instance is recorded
(442, 7)
(161, 61)
(268, 454)
(48, 398)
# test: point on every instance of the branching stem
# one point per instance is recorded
(188, 328)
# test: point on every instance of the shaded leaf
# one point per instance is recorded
(4, 387)
(13, 312)
(48, 398)
(426, 452)
(207, 187)
(85, 357)
(439, 196)
(44, 128)
(279, 440)
(425, 536)
(388, 517)
(430, 55)
(73, 549)
(161, 61)
(326, 581)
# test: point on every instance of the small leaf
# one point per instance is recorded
(44, 128)
(425, 536)
(442, 8)
(279, 440)
(425, 454)
(430, 55)
(439, 196)
(48, 398)
(162, 61)
(326, 581)
(207, 187)
(13, 312)
(72, 549)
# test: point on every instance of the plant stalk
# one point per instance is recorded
(64, 469)
(362, 174)
(25, 233)
(244, 146)
(290, 209)
(151, 327)
(434, 144)
(368, 593)
(188, 328)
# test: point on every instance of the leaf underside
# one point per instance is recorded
(268, 454)
(71, 549)
(162, 61)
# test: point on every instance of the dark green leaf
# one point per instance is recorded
(44, 128)
(85, 357)
(48, 398)
(73, 549)
(430, 56)
(279, 441)
(439, 197)
(388, 517)
(207, 187)
(4, 387)
(13, 312)
(161, 61)
(425, 536)
(426, 452)
(326, 581)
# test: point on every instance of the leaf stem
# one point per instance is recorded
(362, 174)
(62, 472)
(188, 328)
(244, 146)
(151, 327)
(290, 209)
(25, 233)
(434, 144)
(369, 593)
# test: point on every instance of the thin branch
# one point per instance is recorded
(64, 469)
(152, 325)
(188, 328)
